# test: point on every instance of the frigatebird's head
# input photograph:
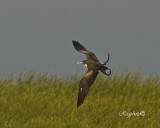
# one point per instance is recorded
(83, 62)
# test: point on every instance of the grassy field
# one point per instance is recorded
(125, 100)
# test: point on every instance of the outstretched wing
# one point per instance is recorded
(82, 49)
(85, 84)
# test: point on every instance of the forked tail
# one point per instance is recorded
(104, 69)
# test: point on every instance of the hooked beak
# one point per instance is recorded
(79, 62)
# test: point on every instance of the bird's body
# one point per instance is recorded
(93, 66)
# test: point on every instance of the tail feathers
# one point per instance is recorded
(106, 60)
(103, 69)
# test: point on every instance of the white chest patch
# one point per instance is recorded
(85, 65)
(81, 89)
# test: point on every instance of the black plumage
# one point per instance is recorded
(93, 66)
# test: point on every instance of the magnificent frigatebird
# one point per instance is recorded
(93, 65)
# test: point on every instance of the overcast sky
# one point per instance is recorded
(38, 34)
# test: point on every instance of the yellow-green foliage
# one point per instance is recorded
(48, 101)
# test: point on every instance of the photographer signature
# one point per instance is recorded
(130, 114)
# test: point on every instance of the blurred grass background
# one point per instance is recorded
(49, 101)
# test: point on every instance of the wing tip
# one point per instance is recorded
(74, 41)
(79, 103)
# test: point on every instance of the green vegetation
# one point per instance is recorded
(48, 101)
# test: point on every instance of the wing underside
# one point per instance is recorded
(85, 84)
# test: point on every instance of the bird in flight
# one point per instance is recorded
(93, 65)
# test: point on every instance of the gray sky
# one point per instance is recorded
(38, 34)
